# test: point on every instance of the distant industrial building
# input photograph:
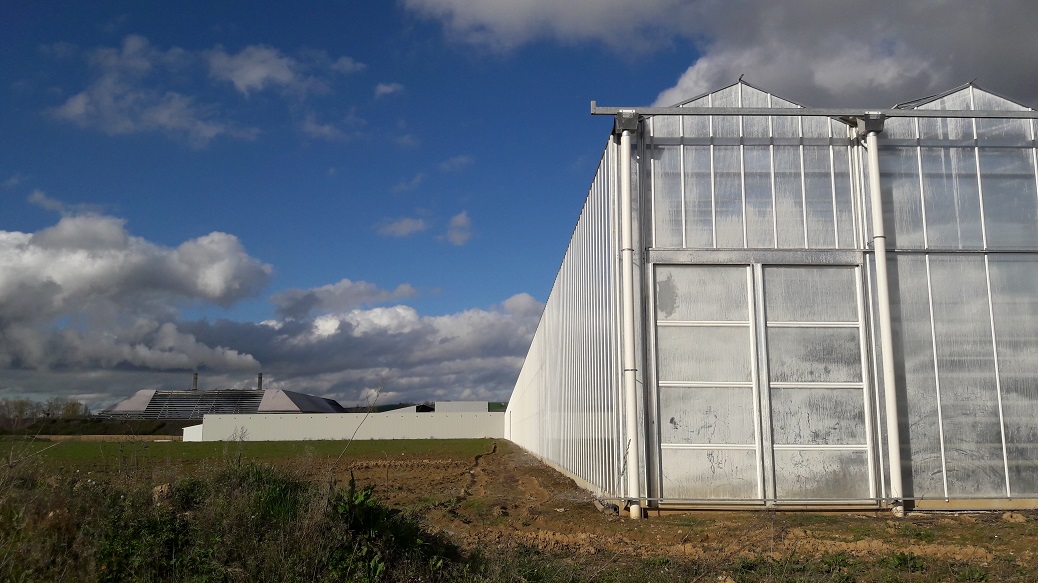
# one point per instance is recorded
(194, 404)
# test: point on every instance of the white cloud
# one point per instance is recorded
(383, 89)
(85, 293)
(254, 68)
(402, 227)
(459, 231)
(456, 163)
(121, 101)
(823, 54)
(337, 297)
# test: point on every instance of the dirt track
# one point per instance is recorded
(505, 498)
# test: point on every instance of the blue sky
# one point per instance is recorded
(353, 194)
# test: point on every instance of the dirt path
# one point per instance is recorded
(506, 498)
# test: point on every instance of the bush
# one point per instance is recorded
(243, 522)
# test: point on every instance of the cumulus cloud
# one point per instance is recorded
(459, 230)
(344, 295)
(85, 293)
(324, 131)
(473, 354)
(402, 227)
(824, 54)
(383, 89)
(348, 65)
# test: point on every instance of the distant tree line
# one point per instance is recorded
(17, 413)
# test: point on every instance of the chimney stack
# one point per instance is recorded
(259, 382)
(194, 382)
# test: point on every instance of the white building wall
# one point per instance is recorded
(341, 426)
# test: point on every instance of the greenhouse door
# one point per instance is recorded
(761, 384)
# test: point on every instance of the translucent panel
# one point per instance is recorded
(760, 216)
(952, 198)
(701, 293)
(704, 354)
(1014, 279)
(815, 127)
(936, 128)
(703, 101)
(965, 363)
(814, 355)
(706, 415)
(789, 197)
(821, 475)
(952, 128)
(728, 196)
(1010, 198)
(903, 211)
(756, 126)
(899, 128)
(1000, 131)
(811, 294)
(818, 188)
(666, 191)
(696, 126)
(818, 416)
(666, 126)
(913, 351)
(844, 196)
(726, 126)
(699, 206)
(709, 474)
(784, 126)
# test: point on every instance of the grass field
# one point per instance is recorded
(433, 510)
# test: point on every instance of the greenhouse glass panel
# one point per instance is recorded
(755, 126)
(844, 196)
(952, 198)
(821, 475)
(666, 191)
(903, 214)
(699, 202)
(814, 355)
(704, 354)
(760, 215)
(701, 293)
(1014, 278)
(966, 368)
(818, 188)
(818, 416)
(832, 294)
(914, 351)
(1010, 199)
(789, 197)
(728, 474)
(713, 415)
(728, 196)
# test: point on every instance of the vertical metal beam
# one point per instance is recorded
(628, 311)
(871, 125)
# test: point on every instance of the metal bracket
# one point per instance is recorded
(870, 121)
(626, 120)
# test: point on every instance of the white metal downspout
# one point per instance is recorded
(629, 364)
(872, 124)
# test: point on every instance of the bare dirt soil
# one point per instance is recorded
(506, 499)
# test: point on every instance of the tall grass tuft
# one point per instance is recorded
(238, 522)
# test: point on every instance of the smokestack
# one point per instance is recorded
(259, 382)
(194, 382)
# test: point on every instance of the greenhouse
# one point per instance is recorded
(771, 305)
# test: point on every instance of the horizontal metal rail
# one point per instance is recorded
(844, 114)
